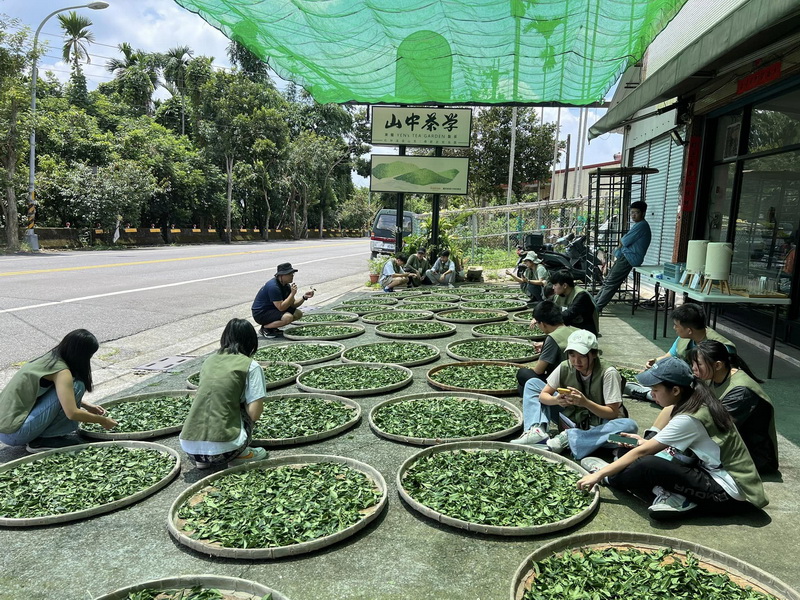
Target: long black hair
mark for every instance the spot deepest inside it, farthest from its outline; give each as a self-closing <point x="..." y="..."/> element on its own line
<point x="77" y="349"/>
<point x="711" y="351"/>
<point x="695" y="396"/>
<point x="238" y="337"/>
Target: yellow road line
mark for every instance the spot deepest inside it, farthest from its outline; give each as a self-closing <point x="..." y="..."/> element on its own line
<point x="166" y="260"/>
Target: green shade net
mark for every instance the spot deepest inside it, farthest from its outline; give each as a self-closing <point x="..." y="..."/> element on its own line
<point x="446" y="51"/>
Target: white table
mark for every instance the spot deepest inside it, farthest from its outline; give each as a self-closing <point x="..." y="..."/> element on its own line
<point x="650" y="272"/>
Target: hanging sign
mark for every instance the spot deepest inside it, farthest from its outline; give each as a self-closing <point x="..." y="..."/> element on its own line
<point x="419" y="174"/>
<point x="421" y="126"/>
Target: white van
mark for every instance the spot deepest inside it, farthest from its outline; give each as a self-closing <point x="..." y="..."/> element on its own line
<point x="382" y="239"/>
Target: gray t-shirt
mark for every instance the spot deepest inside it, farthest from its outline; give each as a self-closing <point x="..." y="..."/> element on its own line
<point x="551" y="354"/>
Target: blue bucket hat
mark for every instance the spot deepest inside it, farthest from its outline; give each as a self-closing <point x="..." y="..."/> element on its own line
<point x="667" y="370"/>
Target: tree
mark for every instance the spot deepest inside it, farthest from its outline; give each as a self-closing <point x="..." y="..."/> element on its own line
<point x="248" y="63"/>
<point x="77" y="38"/>
<point x="136" y="76"/>
<point x="176" y="61"/>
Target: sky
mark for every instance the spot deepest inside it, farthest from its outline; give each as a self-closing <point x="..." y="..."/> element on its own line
<point x="156" y="25"/>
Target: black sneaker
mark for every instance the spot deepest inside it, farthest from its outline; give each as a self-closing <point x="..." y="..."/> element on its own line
<point x="51" y="443"/>
<point x="271" y="334"/>
<point x="639" y="395"/>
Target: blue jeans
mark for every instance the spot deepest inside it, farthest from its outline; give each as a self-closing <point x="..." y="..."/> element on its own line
<point x="582" y="442"/>
<point x="46" y="419"/>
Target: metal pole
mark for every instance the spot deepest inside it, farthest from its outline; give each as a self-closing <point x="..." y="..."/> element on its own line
<point x="435" y="211"/>
<point x="30" y="235"/>
<point x="399" y="209"/>
<point x="511" y="174"/>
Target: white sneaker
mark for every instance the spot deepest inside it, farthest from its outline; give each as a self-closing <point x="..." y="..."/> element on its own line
<point x="593" y="464"/>
<point x="249" y="455"/>
<point x="670" y="505"/>
<point x="534" y="435"/>
<point x="450" y="285"/>
<point x="559" y="443"/>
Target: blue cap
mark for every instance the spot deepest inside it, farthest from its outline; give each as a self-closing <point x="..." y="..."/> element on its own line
<point x="670" y="370"/>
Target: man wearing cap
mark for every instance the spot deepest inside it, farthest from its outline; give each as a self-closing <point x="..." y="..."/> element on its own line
<point x="533" y="279"/>
<point x="629" y="254"/>
<point x="584" y="394"/>
<point x="443" y="271"/>
<point x="276" y="303"/>
<point x="418" y="264"/>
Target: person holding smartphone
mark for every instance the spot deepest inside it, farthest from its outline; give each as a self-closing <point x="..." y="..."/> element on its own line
<point x="276" y="303"/>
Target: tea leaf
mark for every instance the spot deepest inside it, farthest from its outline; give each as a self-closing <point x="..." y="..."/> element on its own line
<point x="297" y="352"/>
<point x="508" y="330"/>
<point x="327" y="317"/>
<point x="352" y="377"/>
<point x="323" y="330"/>
<point x="489" y="349"/>
<point x="477" y="377"/>
<point x="146" y="415"/>
<point x="288" y="417"/>
<point x="390" y="352"/>
<point x="413" y="328"/>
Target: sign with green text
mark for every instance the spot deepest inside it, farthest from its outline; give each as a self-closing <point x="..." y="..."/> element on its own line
<point x="421" y="126"/>
<point x="419" y="174"/>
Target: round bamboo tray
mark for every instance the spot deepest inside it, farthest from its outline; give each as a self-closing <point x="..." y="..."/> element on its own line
<point x="434" y="297"/>
<point x="509" y="305"/>
<point x="497" y="315"/>
<point x="313" y="437"/>
<point x="135" y="435"/>
<point x="452" y="350"/>
<point x="336" y="351"/>
<point x="362" y="309"/>
<point x="97" y="510"/>
<point x="330" y="317"/>
<point x="370" y="514"/>
<point x="271" y="385"/>
<point x="360" y="392"/>
<point x="244" y="589"/>
<point x="495" y="529"/>
<point x="354" y="330"/>
<point x="378" y="298"/>
<point x="491" y="392"/>
<point x="479" y="331"/>
<point x="433" y="354"/>
<point x="525" y="315"/>
<point x="373" y="317"/>
<point x="742" y="573"/>
<point x="425" y="305"/>
<point x="450" y="330"/>
<point x="495" y="435"/>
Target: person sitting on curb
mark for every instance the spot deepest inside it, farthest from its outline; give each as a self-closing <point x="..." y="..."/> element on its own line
<point x="689" y="322"/>
<point x="418" y="265"/>
<point x="443" y="271"/>
<point x="228" y="401"/>
<point x="43" y="402"/>
<point x="585" y="394"/>
<point x="276" y="303"/>
<point x="533" y="279"/>
<point x="393" y="274"/>
<point x="723" y="479"/>
<point x="740" y="393"/>
<point x="575" y="302"/>
<point x="631" y="251"/>
<point x="547" y="317"/>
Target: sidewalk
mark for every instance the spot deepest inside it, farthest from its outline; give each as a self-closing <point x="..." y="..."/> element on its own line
<point x="403" y="555"/>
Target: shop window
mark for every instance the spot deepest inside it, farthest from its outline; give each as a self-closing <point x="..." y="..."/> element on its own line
<point x="775" y="123"/>
<point x="729" y="130"/>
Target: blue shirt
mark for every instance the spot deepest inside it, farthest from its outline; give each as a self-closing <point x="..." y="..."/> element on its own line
<point x="269" y="294"/>
<point x="635" y="243"/>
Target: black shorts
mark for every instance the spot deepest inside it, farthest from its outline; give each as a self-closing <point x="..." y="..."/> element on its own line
<point x="270" y="316"/>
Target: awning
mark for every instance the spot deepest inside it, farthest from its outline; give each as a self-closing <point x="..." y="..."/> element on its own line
<point x="695" y="65"/>
<point x="543" y="52"/>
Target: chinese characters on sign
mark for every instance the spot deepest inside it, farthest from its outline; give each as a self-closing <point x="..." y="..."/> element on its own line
<point x="421" y="126"/>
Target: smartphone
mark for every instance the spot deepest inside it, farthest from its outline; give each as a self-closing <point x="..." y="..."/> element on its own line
<point x="563" y="391"/>
<point x="615" y="438"/>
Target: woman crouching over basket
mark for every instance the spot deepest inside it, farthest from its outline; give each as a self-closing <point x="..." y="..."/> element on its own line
<point x="697" y="460"/>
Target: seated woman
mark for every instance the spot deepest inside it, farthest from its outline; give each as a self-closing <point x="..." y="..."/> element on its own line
<point x="584" y="394"/>
<point x="533" y="278"/>
<point x="43" y="402"/>
<point x="229" y="400"/>
<point x="745" y="400"/>
<point x="722" y="479"/>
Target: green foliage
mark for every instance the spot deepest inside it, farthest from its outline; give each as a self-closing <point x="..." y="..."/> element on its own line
<point x="414" y="328"/>
<point x="628" y="374"/>
<point x="508" y="330"/>
<point x="503" y="488"/>
<point x="471" y="315"/>
<point x="195" y="593"/>
<point x="146" y="415"/>
<point x="390" y="352"/>
<point x="499" y="304"/>
<point x="422" y="305"/>
<point x="274" y="507"/>
<point x="323" y="318"/>
<point x="477" y="377"/>
<point x="287" y="417"/>
<point x="376" y="264"/>
<point x="398" y="315"/>
<point x="324" y="330"/>
<point x="489" y="349"/>
<point x="352" y="377"/>
<point x="297" y="352"/>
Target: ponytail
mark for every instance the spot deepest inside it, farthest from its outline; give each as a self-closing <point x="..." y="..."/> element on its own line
<point x="694" y="397"/>
<point x="711" y="351"/>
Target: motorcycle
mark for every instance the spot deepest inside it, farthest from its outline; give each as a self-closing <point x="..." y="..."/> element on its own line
<point x="582" y="264"/>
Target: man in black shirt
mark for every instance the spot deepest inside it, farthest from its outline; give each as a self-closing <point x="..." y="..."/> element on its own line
<point x="577" y="305"/>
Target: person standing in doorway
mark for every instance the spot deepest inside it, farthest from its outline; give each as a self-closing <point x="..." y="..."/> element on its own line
<point x="629" y="254"/>
<point x="276" y="303"/>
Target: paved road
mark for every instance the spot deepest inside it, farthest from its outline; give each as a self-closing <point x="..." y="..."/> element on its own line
<point x="120" y="293"/>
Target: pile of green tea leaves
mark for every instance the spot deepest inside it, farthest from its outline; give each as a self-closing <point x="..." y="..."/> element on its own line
<point x="500" y="304"/>
<point x="524" y="315"/>
<point x="146" y="415"/>
<point x="443" y="418"/>
<point x="269" y="508"/>
<point x="360" y="309"/>
<point x="390" y="352"/>
<point x="408" y="328"/>
<point x="323" y="330"/>
<point x="494" y="295"/>
<point x="489" y="349"/>
<point x="67" y="482"/>
<point x="471" y="315"/>
<point x="397" y="315"/>
<point x="627" y="573"/>
<point x="628" y="374"/>
<point x="194" y="379"/>
<point x="279" y="372"/>
<point x="352" y="377"/>
<point x="508" y="329"/>
<point x="505" y="488"/>
<point x="441" y="298"/>
<point x="377" y="300"/>
<point x="298" y="352"/>
<point x="422" y="305"/>
<point x="195" y="593"/>
<point x="324" y="318"/>
<point x="477" y="377"/>
<point x="287" y="417"/>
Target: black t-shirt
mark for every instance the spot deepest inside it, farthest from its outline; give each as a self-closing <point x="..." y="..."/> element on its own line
<point x="581" y="313"/>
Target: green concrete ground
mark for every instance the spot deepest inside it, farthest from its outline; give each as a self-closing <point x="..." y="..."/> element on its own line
<point x="403" y="555"/>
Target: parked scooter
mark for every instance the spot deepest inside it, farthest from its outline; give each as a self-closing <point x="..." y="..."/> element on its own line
<point x="582" y="264"/>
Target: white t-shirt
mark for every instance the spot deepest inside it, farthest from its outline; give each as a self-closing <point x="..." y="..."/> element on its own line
<point x="254" y="389"/>
<point x="685" y="432"/>
<point x="388" y="271"/>
<point x="612" y="384"/>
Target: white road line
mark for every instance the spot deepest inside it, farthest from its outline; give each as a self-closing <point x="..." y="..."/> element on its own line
<point x="167" y="285"/>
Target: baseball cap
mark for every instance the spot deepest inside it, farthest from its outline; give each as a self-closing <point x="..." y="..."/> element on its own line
<point x="285" y="269"/>
<point x="670" y="370"/>
<point x="582" y="341"/>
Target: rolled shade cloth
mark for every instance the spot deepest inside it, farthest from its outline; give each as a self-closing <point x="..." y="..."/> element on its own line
<point x="543" y="52"/>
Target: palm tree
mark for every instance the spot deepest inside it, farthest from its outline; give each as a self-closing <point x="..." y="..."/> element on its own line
<point x="175" y="62"/>
<point x="137" y="75"/>
<point x="77" y="38"/>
